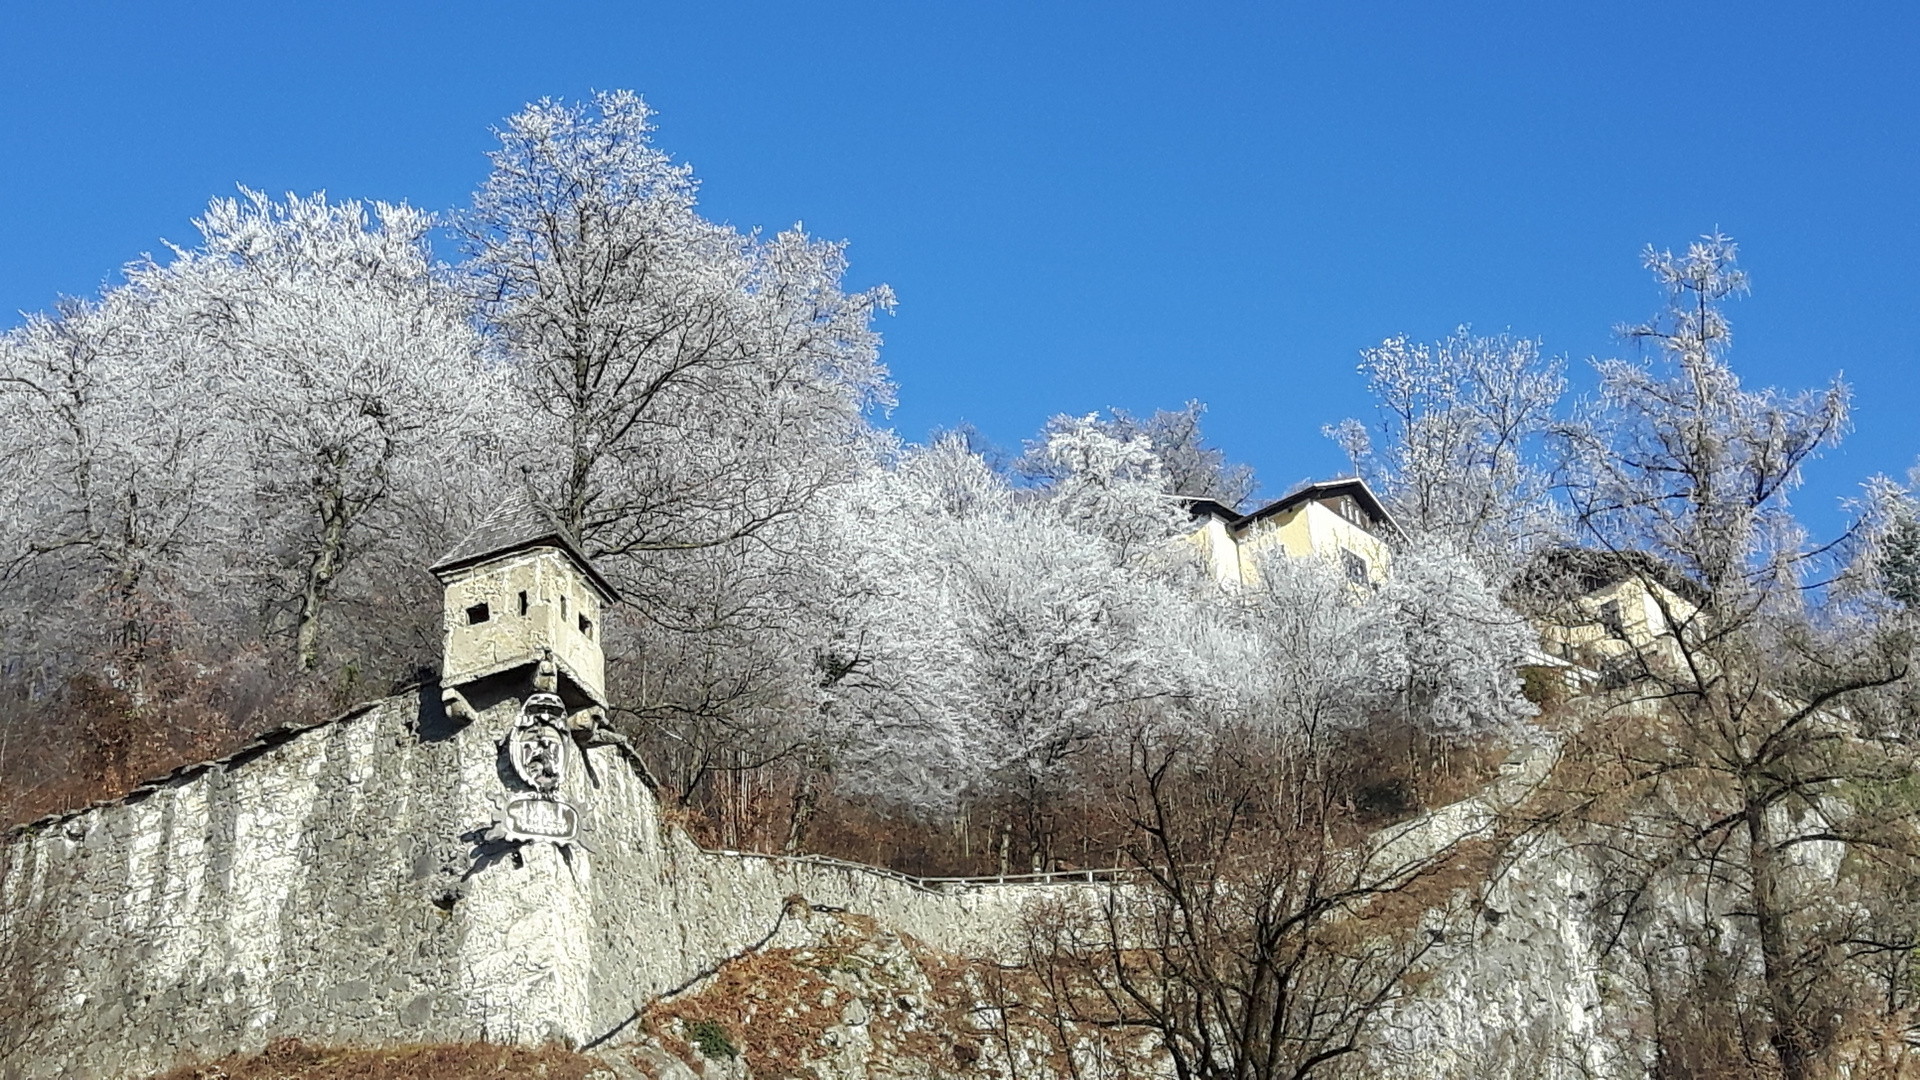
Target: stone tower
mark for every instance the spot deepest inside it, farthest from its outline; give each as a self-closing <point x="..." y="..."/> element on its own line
<point x="521" y="593"/>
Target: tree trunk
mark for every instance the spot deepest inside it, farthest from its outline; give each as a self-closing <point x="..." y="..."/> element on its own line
<point x="322" y="568"/>
<point x="806" y="799"/>
<point x="1787" y="1034"/>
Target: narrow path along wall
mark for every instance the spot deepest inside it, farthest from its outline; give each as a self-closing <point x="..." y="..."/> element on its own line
<point x="337" y="884"/>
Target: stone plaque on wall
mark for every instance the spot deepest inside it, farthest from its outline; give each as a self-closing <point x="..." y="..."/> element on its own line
<point x="541" y="817"/>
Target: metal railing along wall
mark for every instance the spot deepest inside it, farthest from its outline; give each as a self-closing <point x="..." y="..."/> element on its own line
<point x="942" y="884"/>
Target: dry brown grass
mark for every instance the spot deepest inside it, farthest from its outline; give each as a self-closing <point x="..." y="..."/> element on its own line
<point x="291" y="1059"/>
<point x="768" y="1006"/>
<point x="777" y="1010"/>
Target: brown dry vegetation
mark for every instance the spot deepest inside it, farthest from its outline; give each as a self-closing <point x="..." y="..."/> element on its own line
<point x="291" y="1059"/>
<point x="775" y="1008"/>
<point x="89" y="739"/>
<point x="767" y="1007"/>
<point x="1386" y="772"/>
<point x="785" y="1014"/>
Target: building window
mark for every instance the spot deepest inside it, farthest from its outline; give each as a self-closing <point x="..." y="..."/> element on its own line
<point x="586" y="627"/>
<point x="1610" y="619"/>
<point x="477" y="614"/>
<point x="523" y="603"/>
<point x="1356" y="567"/>
<point x="1617" y="672"/>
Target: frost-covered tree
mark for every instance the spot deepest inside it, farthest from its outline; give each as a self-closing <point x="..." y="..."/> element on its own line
<point x="1753" y="776"/>
<point x="688" y="396"/>
<point x="1895" y="546"/>
<point x="1190" y="466"/>
<point x="1462" y="424"/>
<point x="119" y="547"/>
<point x="1681" y="461"/>
<point x="1433" y="647"/>
<point x="347" y="369"/>
<point x="1459" y="647"/>
<point x="991" y="636"/>
<point x="996" y="635"/>
<point x="895" y="670"/>
<point x="1108" y="486"/>
<point x="119" y="510"/>
<point x="688" y="385"/>
<point x="1312" y="660"/>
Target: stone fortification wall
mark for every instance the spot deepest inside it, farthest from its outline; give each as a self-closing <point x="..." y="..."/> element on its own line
<point x="337" y="884"/>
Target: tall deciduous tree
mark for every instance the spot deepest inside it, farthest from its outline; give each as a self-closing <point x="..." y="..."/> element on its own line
<point x="1260" y="935"/>
<point x="347" y="368"/>
<point x="1748" y="776"/>
<point x="1462" y="423"/>
<point x="689" y="393"/>
<point x="692" y="386"/>
<point x="990" y="637"/>
<point x="119" y="511"/>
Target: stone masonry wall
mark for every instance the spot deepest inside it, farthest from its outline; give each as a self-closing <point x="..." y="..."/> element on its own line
<point x="335" y="884"/>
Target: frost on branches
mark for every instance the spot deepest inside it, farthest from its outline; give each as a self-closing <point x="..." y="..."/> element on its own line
<point x="251" y="445"/>
<point x="347" y="371"/>
<point x="230" y="430"/>
<point x="990" y="635"/>
<point x="1462" y="424"/>
<point x="686" y="385"/>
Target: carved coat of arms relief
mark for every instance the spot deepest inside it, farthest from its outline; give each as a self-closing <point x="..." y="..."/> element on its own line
<point x="539" y="751"/>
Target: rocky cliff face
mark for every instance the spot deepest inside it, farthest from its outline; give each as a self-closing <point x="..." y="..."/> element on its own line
<point x="1514" y="990"/>
<point x="843" y="998"/>
<point x="839" y="998"/>
<point x="1512" y="993"/>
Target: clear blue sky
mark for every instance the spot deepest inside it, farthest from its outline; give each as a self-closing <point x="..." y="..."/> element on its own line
<point x="1086" y="204"/>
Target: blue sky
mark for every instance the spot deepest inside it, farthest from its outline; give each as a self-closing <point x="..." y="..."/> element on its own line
<point x="1084" y="205"/>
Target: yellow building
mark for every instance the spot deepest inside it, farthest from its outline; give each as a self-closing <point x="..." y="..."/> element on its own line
<point x="1341" y="521"/>
<point x="1608" y="611"/>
